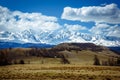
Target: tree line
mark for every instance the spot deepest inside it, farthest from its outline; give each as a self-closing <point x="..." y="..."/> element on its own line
<point x="110" y="62"/>
<point x="9" y="56"/>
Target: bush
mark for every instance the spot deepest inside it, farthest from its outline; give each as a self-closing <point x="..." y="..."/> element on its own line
<point x="65" y="60"/>
<point x="96" y="60"/>
<point x="21" y="62"/>
<point x="111" y="62"/>
<point x="118" y="61"/>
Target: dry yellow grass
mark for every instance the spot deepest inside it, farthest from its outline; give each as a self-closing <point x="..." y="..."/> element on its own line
<point x="86" y="57"/>
<point x="59" y="72"/>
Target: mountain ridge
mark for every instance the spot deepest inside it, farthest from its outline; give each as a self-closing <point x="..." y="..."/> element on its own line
<point x="4" y="45"/>
<point x="61" y="36"/>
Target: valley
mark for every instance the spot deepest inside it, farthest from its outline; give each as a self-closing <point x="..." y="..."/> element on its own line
<point x="66" y="61"/>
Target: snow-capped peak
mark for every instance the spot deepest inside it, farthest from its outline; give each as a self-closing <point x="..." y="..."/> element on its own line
<point x="56" y="37"/>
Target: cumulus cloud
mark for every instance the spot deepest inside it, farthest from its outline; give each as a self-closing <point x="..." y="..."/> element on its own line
<point x="107" y="30"/>
<point x="15" y="21"/>
<point x="99" y="14"/>
<point x="75" y="27"/>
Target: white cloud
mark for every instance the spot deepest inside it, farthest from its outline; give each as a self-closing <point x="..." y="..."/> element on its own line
<point x="106" y="30"/>
<point x="15" y="21"/>
<point x="75" y="27"/>
<point x="107" y="13"/>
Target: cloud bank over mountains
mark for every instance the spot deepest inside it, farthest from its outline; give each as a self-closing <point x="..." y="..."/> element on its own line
<point x="102" y="16"/>
<point x="105" y="29"/>
<point x="18" y="21"/>
<point x="106" y="22"/>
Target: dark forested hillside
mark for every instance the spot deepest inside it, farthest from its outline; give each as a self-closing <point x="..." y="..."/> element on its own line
<point x="4" y="45"/>
<point x="80" y="46"/>
<point x="115" y="49"/>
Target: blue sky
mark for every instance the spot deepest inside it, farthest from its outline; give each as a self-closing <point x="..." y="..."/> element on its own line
<point x="55" y="9"/>
<point x="51" y="7"/>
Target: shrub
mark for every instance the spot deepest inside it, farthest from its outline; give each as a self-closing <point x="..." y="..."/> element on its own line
<point x="65" y="60"/>
<point x="21" y="62"/>
<point x="118" y="61"/>
<point x="96" y="60"/>
<point x="105" y="63"/>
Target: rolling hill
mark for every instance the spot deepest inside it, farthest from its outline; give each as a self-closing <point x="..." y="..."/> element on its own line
<point x="75" y="53"/>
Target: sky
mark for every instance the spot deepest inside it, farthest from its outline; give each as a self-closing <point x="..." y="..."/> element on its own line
<point x="87" y="16"/>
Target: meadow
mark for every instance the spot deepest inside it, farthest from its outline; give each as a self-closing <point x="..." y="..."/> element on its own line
<point x="59" y="72"/>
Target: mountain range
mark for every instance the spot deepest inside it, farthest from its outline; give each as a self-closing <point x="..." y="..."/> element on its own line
<point x="57" y="37"/>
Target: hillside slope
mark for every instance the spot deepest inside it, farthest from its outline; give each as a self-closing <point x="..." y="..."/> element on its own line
<point x="76" y="53"/>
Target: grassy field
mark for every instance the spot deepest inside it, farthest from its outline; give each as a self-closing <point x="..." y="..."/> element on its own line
<point x="59" y="72"/>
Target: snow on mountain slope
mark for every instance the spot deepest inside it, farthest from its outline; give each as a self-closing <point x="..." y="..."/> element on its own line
<point x="56" y="37"/>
